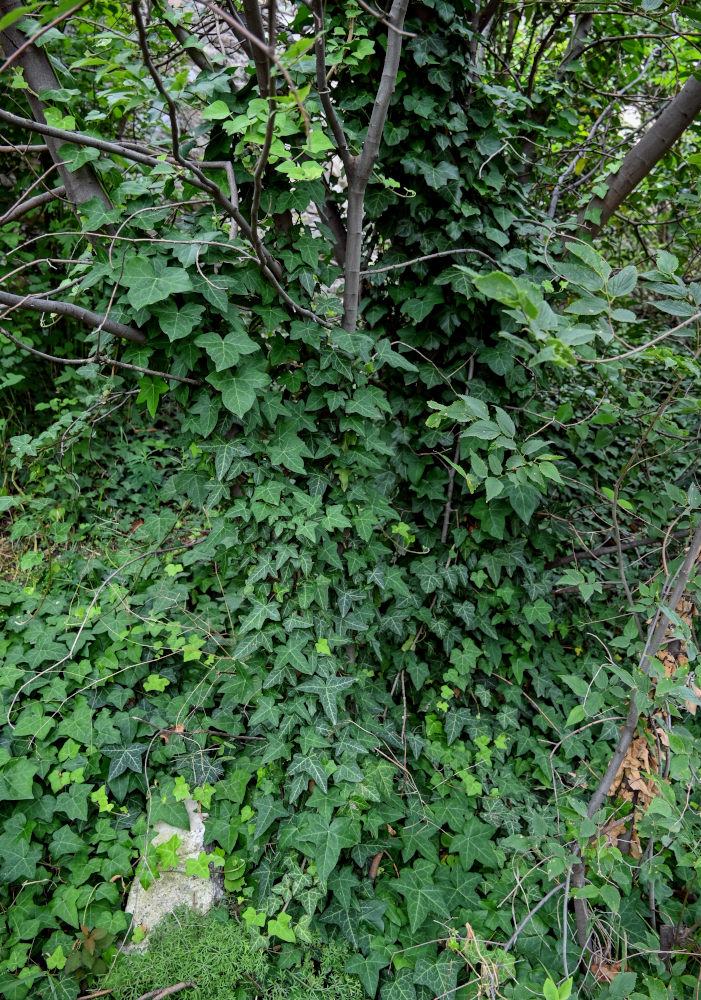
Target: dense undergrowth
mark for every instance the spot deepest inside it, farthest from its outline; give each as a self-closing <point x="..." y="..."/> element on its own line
<point x="377" y="598"/>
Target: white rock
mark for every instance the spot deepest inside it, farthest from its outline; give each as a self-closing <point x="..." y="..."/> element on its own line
<point x="174" y="887"/>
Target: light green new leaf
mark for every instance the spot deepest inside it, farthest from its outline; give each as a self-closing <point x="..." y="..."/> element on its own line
<point x="151" y="388"/>
<point x="280" y="927"/>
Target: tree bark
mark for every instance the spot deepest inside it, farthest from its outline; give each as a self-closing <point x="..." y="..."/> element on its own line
<point x="81" y="185"/>
<point x="643" y="157"/>
<point x="361" y="166"/>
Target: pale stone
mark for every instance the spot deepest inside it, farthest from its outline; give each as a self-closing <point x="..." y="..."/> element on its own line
<point x="174" y="888"/>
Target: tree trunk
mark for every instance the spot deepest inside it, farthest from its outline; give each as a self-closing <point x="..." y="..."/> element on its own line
<point x="642" y="158"/>
<point x="81" y="185"/>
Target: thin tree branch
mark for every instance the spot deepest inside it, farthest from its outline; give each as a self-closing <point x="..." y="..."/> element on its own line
<point x="156" y="77"/>
<point x="85" y="316"/>
<point x="362" y="165"/>
<point x="24" y="207"/>
<point x="644" y="156"/>
<point x="603" y="550"/>
<point x="261" y="59"/>
<point x="188" y="45"/>
<point x="99" y="359"/>
<point x="322" y="86"/>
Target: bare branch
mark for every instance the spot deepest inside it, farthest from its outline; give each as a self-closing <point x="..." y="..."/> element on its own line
<point x="322" y="87"/>
<point x="156" y="77"/>
<point x="643" y="157"/>
<point x="23" y="207"/>
<point x="97" y="359"/>
<point x="81" y="185"/>
<point x="362" y="165"/>
<point x="261" y="59"/>
<point x="84" y="316"/>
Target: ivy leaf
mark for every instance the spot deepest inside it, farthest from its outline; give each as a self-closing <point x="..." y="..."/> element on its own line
<point x="268" y="810"/>
<point x="151" y="388"/>
<point x="262" y="612"/>
<point x="145" y="286"/>
<point x="16" y="778"/>
<point x="421" y="893"/>
<point x="368" y="968"/>
<point x="327" y="840"/>
<point x="66" y="841"/>
<point x="199" y="866"/>
<point x="440" y="976"/>
<point x="226" y="351"/>
<point x="287" y="448"/>
<point x="124" y="758"/>
<point x="168" y="851"/>
<point x="239" y="390"/>
<point x="19" y="857"/>
<point x="178" y="321"/>
<point x="65" y="988"/>
<point x="401" y="987"/>
<point x="328" y="691"/>
<point x="310" y="766"/>
<point x="473" y="843"/>
<point x="280" y="927"/>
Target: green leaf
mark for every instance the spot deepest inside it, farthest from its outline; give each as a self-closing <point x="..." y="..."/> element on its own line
<point x="473" y="843"/>
<point x="124" y="758"/>
<point x="499" y="286"/>
<point x="422" y="895"/>
<point x="268" y="809"/>
<point x="623" y="282"/>
<point x="287" y="448"/>
<point x="304" y="764"/>
<point x="550" y="990"/>
<point x="199" y="866"/>
<point x="226" y="351"/>
<point x="66" y="841"/>
<point x="239" y="390"/>
<point x="16" y="779"/>
<point x="178" y="321"/>
<point x="667" y="263"/>
<point x="401" y="987"/>
<point x="524" y="499"/>
<point x="168" y="852"/>
<point x="145" y="286"/>
<point x="280" y="927"/>
<point x="151" y="388"/>
<point x="368" y="968"/>
<point x="19" y="856"/>
<point x="485" y="430"/>
<point x="216" y="112"/>
<point x="262" y="611"/>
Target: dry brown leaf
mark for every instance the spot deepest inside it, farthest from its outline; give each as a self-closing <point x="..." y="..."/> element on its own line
<point x="606" y="972"/>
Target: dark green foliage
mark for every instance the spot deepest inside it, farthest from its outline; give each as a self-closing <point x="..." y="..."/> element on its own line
<point x="340" y="590"/>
